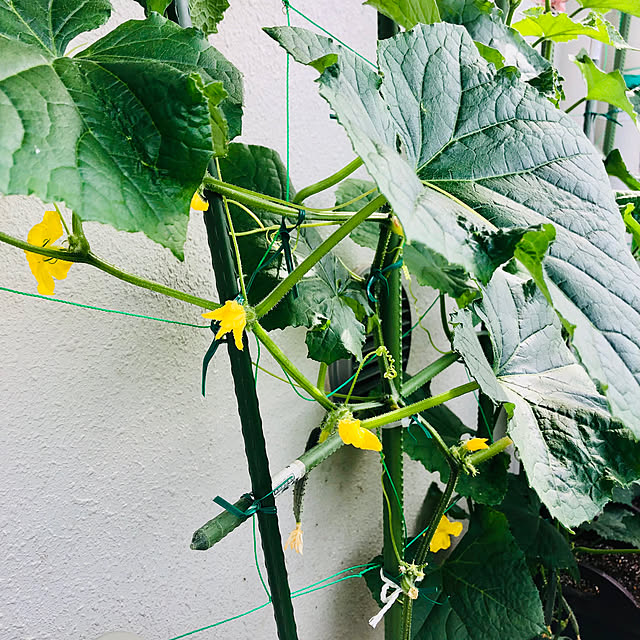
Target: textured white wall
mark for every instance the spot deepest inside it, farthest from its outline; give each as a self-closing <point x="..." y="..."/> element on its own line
<point x="110" y="457"/>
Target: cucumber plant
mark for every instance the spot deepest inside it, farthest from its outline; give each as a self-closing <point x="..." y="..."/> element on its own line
<point x="479" y="186"/>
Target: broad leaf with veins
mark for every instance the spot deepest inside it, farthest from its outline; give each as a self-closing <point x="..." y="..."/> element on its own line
<point x="123" y="131"/>
<point x="573" y="451"/>
<point x="487" y="143"/>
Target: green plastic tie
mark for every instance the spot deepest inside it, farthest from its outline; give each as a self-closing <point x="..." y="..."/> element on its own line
<point x="378" y="275"/>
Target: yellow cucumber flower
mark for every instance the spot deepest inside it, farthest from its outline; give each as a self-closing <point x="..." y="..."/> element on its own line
<point x="232" y="318"/>
<point x="442" y="537"/>
<point x="198" y="203"/>
<point x="475" y="444"/>
<point x="44" y="269"/>
<point x="352" y="433"/>
<point x="294" y="541"/>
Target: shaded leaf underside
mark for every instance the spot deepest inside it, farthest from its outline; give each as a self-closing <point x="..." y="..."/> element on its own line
<point x="573" y="451"/>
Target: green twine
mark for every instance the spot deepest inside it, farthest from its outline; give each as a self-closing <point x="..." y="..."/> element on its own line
<point x="315" y="24"/>
<point x="316" y="586"/>
<point x="286" y="6"/>
<point x="88" y="306"/>
<point x="420" y="319"/>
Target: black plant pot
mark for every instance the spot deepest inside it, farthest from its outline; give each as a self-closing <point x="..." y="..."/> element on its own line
<point x="607" y="611"/>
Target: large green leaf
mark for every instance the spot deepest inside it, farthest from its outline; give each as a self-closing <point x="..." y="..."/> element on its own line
<point x="439" y="113"/>
<point x="485" y="24"/>
<point x="487" y="590"/>
<point x="207" y="14"/>
<point x="327" y="296"/>
<point x="632" y="7"/>
<point x="540" y="541"/>
<point x="559" y="27"/>
<point x="408" y="13"/>
<point x="48" y="25"/>
<point x="120" y="140"/>
<point x="155" y="41"/>
<point x="573" y="451"/>
<point x="605" y="87"/>
<point x="617" y="523"/>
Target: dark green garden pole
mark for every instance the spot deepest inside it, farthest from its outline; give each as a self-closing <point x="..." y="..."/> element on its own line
<point x="391" y="320"/>
<point x="249" y="412"/>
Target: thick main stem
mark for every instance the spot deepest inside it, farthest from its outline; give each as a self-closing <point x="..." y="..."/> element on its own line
<point x="390" y="313"/>
<point x="251" y="423"/>
<point x="281" y="290"/>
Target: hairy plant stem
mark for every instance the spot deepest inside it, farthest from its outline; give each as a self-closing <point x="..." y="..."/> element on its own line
<point x="280" y="357"/>
<point x="443" y="318"/>
<point x="428" y="373"/>
<point x="86" y="257"/>
<point x="512" y="9"/>
<point x="604" y="552"/>
<point x="455" y="467"/>
<point x="577" y="103"/>
<point x="478" y="457"/>
<point x="281" y="290"/>
<point x="550" y="600"/>
<point x="423" y="549"/>
<point x="572" y="616"/>
<point x="322" y="375"/>
<point x="273" y="205"/>
<point x="328" y="182"/>
<point x="389" y="310"/>
<point x="417" y="407"/>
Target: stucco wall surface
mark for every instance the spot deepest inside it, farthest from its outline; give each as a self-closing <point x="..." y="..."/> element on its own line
<point x="110" y="456"/>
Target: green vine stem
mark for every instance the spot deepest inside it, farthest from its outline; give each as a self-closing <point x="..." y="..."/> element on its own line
<point x="256" y="200"/>
<point x="428" y="373"/>
<point x="478" y="457"/>
<point x="417" y="407"/>
<point x="604" y="552"/>
<point x="423" y="549"/>
<point x="328" y="182"/>
<point x="280" y="357"/>
<point x="322" y="375"/>
<point x="89" y="258"/>
<point x="281" y="290"/>
<point x="455" y="467"/>
<point x="577" y="103"/>
<point x="223" y="524"/>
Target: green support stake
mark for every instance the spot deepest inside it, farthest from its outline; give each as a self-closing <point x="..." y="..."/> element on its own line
<point x="391" y="320"/>
<point x="251" y="421"/>
<point x="618" y="63"/>
<point x="392" y="445"/>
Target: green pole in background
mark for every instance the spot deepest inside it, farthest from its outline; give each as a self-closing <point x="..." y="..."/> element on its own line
<point x="618" y="63"/>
